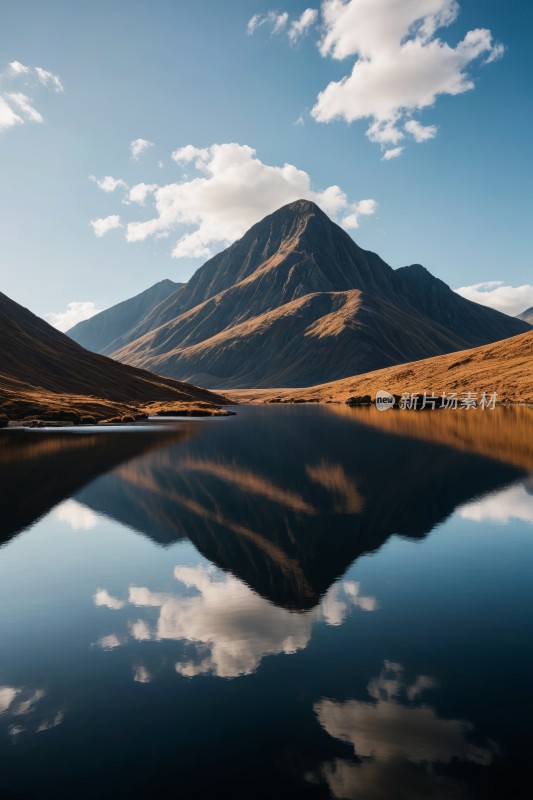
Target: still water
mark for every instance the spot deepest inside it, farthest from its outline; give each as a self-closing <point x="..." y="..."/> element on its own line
<point x="295" y="602"/>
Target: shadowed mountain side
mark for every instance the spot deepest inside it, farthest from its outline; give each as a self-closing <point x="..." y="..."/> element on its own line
<point x="527" y="315"/>
<point x="36" y="359"/>
<point x="504" y="367"/>
<point x="28" y="459"/>
<point x="296" y="253"/>
<point x="289" y="509"/>
<point x="103" y="333"/>
<point x="319" y="335"/>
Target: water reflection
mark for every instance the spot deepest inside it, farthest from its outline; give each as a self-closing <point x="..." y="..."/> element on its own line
<point x="227" y="628"/>
<point x="21" y="711"/>
<point x="287" y="508"/>
<point x="512" y="503"/>
<point x="39" y="470"/>
<point x="395" y="736"/>
<point x="195" y="616"/>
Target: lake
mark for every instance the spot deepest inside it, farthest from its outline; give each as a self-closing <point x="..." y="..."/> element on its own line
<point x="295" y="602"/>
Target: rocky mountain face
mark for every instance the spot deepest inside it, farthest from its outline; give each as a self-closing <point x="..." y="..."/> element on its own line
<point x="105" y="332"/>
<point x="296" y="302"/>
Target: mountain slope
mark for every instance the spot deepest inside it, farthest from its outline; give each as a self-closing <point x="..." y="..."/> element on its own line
<point x="103" y="333"/>
<point x="505" y="367"/>
<point x="527" y="315"/>
<point x="35" y="357"/>
<point x="296" y="254"/>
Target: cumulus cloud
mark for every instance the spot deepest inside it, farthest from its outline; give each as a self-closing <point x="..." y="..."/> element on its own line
<point x="75" y="312"/>
<point x="420" y="133"/>
<point x="510" y="300"/>
<point x="388" y="733"/>
<point x="138" y="146"/>
<point x="17" y="107"/>
<point x="513" y="503"/>
<point x="109" y="642"/>
<point x="103" y="598"/>
<point x="109" y="184"/>
<point x="105" y="224"/>
<point x="231" y="190"/>
<point x="301" y="26"/>
<point x="274" y="19"/>
<point x="227" y="627"/>
<point x="400" y="66"/>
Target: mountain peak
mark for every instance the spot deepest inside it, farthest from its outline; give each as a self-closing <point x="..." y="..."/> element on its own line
<point x="302" y="206"/>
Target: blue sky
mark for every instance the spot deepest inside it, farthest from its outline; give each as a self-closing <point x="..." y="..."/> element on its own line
<point x="176" y="74"/>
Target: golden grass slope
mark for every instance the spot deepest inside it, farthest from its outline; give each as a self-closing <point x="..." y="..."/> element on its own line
<point x="505" y="367"/>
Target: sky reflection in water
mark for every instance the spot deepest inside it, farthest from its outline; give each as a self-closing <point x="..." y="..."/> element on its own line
<point x="258" y="606"/>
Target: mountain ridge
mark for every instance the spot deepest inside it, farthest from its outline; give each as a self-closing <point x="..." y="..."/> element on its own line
<point x="297" y="252"/>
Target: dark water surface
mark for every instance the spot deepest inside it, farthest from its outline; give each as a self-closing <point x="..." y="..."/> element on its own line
<point x="296" y="602"/>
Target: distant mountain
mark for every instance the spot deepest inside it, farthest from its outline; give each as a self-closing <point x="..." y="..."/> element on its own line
<point x="527" y="315"/>
<point x="104" y="332"/>
<point x="36" y="359"/>
<point x="296" y="302"/>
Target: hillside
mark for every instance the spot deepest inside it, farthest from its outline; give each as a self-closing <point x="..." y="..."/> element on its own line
<point x="103" y="333"/>
<point x="505" y="367"/>
<point x="42" y="368"/>
<point x="295" y="302"/>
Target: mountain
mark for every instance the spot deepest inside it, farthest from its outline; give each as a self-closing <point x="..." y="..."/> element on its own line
<point x="37" y="361"/>
<point x="504" y="367"/>
<point x="527" y="315"/>
<point x="273" y="530"/>
<point x="104" y="332"/>
<point x="295" y="302"/>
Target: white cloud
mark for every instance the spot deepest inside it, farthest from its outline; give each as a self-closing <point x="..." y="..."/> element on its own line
<point x="515" y="502"/>
<point x="299" y="122"/>
<point x="103" y="598"/>
<point x="17" y="107"/>
<point x="139" y="192"/>
<point x="229" y="628"/>
<point x="48" y="78"/>
<point x="23" y="103"/>
<point x="301" y="26"/>
<point x="75" y="312"/>
<point x="8" y="117"/>
<point x="7" y="695"/>
<point x="108" y="184"/>
<point x="23" y="705"/>
<point x="276" y="20"/>
<point x="140" y="630"/>
<point x="102" y="226"/>
<point x="16" y="68"/>
<point x="138" y="146"/>
<point x="394" y="152"/>
<point x="400" y="64"/>
<point x="109" y="642"/>
<point x="141" y="674"/>
<point x="387" y="733"/>
<point x="232" y="190"/>
<point x="420" y="133"/>
<point x="511" y="300"/>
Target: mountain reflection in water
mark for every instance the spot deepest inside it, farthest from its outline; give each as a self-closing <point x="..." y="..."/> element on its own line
<point x="253" y="606"/>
